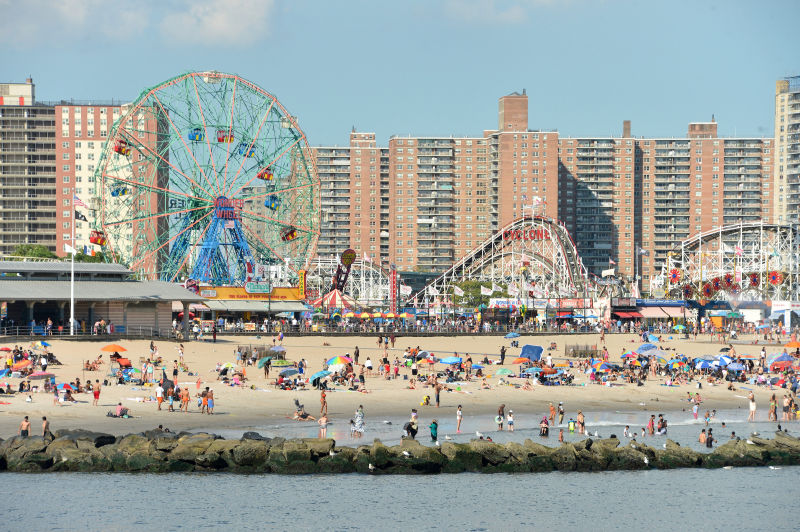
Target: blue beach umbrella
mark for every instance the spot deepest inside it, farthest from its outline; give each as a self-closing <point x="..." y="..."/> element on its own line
<point x="288" y="372"/>
<point x="532" y="352"/>
<point x="320" y="375"/>
<point x="703" y="364"/>
<point x="735" y="367"/>
<point x="451" y="360"/>
<point x="646" y="347"/>
<point x="652" y="338"/>
<point x="512" y="335"/>
<point x="724" y="360"/>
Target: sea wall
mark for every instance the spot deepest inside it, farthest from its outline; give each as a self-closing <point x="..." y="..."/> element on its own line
<point x="156" y="451"/>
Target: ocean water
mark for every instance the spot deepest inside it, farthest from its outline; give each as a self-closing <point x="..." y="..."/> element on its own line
<point x="682" y="428"/>
<point x="738" y="499"/>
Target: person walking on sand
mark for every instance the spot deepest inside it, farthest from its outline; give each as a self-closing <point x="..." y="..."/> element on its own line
<point x="96" y="392"/>
<point x="438" y="390"/>
<point x="24" y="428"/>
<point x="459" y="417"/>
<point x="510" y="420"/>
<point x="184" y="399"/>
<point x="355" y="356"/>
<point x="323" y="426"/>
<point x="752" y="415"/>
<point x="501" y="414"/>
<point x="210" y="397"/>
<point x="323" y="403"/>
<point x="159" y="395"/>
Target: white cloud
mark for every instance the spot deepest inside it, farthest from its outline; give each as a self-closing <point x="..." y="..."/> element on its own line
<point x="223" y="23"/>
<point x="27" y="24"/>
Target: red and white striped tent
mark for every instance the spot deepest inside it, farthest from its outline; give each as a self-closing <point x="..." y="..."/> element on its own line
<point x="334" y="299"/>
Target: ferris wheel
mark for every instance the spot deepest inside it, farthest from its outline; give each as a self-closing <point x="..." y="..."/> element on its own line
<point x="207" y="177"/>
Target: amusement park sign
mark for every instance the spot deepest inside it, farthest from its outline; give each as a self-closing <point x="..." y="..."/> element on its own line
<point x="526" y="234"/>
<point x="257" y="288"/>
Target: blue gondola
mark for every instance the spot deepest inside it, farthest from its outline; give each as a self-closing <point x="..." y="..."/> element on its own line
<point x="273" y="202"/>
<point x="246" y="150"/>
<point x="197" y="135"/>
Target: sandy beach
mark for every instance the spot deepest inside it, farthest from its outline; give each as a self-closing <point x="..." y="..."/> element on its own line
<point x="259" y="402"/>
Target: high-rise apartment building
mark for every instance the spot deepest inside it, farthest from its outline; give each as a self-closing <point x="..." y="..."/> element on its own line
<point x="625" y="200"/>
<point x="27" y="169"/>
<point x="80" y="138"/>
<point x="786" y="174"/>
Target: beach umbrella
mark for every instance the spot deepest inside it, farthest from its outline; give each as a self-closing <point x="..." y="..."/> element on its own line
<point x="277" y="349"/>
<point x="131" y="370"/>
<point x="319" y="375"/>
<point x="763" y="327"/>
<point x="41" y="343"/>
<point x="703" y="364"/>
<point x="652" y="338"/>
<point x="404" y="315"/>
<point x="339" y="360"/>
<point x="793" y="344"/>
<point x="562" y="365"/>
<point x="630" y="354"/>
<point x="21" y="364"/>
<point x="549" y="371"/>
<point x="377" y="315"/>
<point x="635" y="363"/>
<point x="427" y="361"/>
<point x="747" y="357"/>
<point x="724" y="360"/>
<point x="512" y="335"/>
<point x="263" y="361"/>
<point x="282" y="363"/>
<point x="735" y="367"/>
<point x="390" y="315"/>
<point x="532" y="352"/>
<point x="41" y="375"/>
<point x="782" y="364"/>
<point x="679" y="327"/>
<point x="110" y="348"/>
<point x="4" y="372"/>
<point x="724" y="349"/>
<point x="7" y="349"/>
<point x="520" y="360"/>
<point x="228" y="365"/>
<point x="65" y="386"/>
<point x="477" y="366"/>
<point x="350" y="314"/>
<point x="451" y="360"/>
<point x="364" y="315"/>
<point x="531" y="371"/>
<point x="288" y="372"/>
<point x="503" y="371"/>
<point x="646" y="347"/>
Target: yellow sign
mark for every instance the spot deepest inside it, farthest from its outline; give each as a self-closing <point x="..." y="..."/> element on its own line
<point x="301" y="283"/>
<point x="287" y="293"/>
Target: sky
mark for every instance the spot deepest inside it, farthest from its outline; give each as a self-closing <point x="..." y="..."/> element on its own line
<point x="427" y="67"/>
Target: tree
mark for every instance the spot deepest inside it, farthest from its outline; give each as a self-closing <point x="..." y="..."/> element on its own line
<point x="34" y="250"/>
<point x="472" y="294"/>
<point x="97" y="257"/>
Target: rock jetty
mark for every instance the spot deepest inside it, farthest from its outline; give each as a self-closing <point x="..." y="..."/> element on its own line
<point x="155" y="451"/>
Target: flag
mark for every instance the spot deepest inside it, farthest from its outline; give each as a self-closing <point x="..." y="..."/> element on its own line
<point x="644" y="252"/>
<point x="78" y="203"/>
<point x="513" y="290"/>
<point x="458" y="292"/>
<point x="69" y="249"/>
<point x="81" y="217"/>
<point x="85" y="249"/>
<point x="405" y="290"/>
<point x="486" y="291"/>
<point x="611" y="261"/>
<point x="366" y="258"/>
<point x="496" y="288"/>
<point x="433" y="291"/>
<point x="739" y="251"/>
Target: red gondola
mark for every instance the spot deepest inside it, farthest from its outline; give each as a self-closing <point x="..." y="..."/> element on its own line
<point x="265" y="174"/>
<point x="289" y="235"/>
<point x="224" y="135"/>
<point x="98" y="237"/>
<point x="121" y="147"/>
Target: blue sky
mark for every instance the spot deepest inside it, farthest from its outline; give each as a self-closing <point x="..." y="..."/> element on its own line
<point x="427" y="67"/>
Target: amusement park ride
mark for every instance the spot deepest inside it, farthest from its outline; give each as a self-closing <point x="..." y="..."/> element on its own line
<point x="207" y="177"/>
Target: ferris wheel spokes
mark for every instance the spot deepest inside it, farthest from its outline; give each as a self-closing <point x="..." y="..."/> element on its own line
<point x="273" y="161"/>
<point x="248" y="150"/>
<point x="205" y="131"/>
<point x="179" y="135"/>
<point x="149" y="254"/>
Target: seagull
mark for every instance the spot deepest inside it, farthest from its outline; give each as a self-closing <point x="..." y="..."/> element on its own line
<point x="447" y="437"/>
<point x="727" y="467"/>
<point x="406" y="454"/>
<point x="385" y="422"/>
<point x="478" y="434"/>
<point x="773" y="467"/>
<point x="331" y="453"/>
<point x="750" y="442"/>
<point x="438" y="444"/>
<point x="596" y="434"/>
<point x="646" y="461"/>
<point x="665" y="446"/>
<point x="371" y="468"/>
